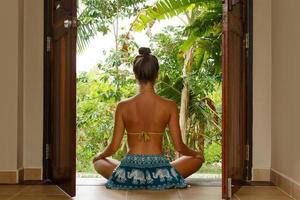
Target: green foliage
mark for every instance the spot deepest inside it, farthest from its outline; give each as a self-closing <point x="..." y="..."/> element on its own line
<point x="215" y="168"/>
<point x="97" y="16"/>
<point x="213" y="153"/>
<point x="204" y="83"/>
<point x="97" y="96"/>
<point x="94" y="117"/>
<point x="166" y="47"/>
<point x="163" y="9"/>
<point x="98" y="91"/>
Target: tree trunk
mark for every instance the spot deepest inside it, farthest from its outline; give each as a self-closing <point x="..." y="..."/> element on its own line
<point x="183" y="111"/>
<point x="115" y="27"/>
<point x="185" y="94"/>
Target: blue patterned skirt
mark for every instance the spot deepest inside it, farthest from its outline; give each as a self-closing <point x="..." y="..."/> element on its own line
<point x="144" y="171"/>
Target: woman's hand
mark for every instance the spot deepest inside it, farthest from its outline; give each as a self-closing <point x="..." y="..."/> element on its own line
<point x="98" y="156"/>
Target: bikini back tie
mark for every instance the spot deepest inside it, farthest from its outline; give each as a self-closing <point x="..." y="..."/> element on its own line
<point x="145" y="135"/>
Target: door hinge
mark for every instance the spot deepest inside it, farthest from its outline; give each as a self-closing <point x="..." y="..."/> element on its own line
<point x="247" y="40"/>
<point x="47" y="151"/>
<point x="48" y="47"/>
<point x="229" y="187"/>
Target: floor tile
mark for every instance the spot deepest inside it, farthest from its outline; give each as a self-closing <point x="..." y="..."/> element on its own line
<point x="296" y="191"/>
<point x="170" y="194"/>
<point x="256" y="197"/>
<point x="11" y="189"/>
<point x="42" y="190"/>
<point x="259" y="190"/>
<point x="99" y="193"/>
<point x="4" y="197"/>
<point x="201" y="193"/>
<point x="40" y="197"/>
<point x="235" y="198"/>
<point x="261" y="193"/>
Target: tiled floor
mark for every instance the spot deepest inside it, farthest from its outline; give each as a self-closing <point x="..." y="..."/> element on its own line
<point x="198" y="181"/>
<point x="52" y="192"/>
<point x="260" y="193"/>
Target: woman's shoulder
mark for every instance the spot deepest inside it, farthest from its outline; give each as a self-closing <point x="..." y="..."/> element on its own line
<point x="168" y="103"/>
<point x="126" y="101"/>
<point x="123" y="102"/>
<point x="161" y="99"/>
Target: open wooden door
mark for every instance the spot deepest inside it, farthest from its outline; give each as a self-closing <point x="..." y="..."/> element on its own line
<point x="60" y="94"/>
<point x="234" y="108"/>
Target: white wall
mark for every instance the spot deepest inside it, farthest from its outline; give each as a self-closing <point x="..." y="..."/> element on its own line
<point x="21" y="84"/>
<point x="9" y="66"/>
<point x="33" y="83"/>
<point x="261" y="89"/>
<point x="285" y="88"/>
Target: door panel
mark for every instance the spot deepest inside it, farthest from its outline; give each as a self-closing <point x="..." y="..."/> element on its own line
<point x="234" y="97"/>
<point x="62" y="94"/>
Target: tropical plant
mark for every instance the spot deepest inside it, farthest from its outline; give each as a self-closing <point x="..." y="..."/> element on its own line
<point x="96" y="102"/>
<point x="203" y="119"/>
<point x="102" y="16"/>
<point x="202" y="46"/>
<point x="190" y="74"/>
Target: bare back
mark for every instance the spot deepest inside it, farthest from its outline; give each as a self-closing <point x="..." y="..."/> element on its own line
<point x="146" y="112"/>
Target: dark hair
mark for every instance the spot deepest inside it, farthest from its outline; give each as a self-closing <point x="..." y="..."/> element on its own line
<point x="145" y="65"/>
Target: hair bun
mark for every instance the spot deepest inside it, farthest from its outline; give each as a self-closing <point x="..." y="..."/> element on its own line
<point x="144" y="51"/>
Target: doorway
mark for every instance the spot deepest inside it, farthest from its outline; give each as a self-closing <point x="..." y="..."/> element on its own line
<point x="101" y="84"/>
<point x="60" y="92"/>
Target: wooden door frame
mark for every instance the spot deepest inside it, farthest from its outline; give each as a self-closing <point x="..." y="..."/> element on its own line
<point x="249" y="91"/>
<point x="47" y="172"/>
<point x="47" y="93"/>
<point x="47" y="123"/>
<point x="247" y="115"/>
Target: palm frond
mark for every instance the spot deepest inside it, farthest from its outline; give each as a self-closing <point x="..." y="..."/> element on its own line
<point x="164" y="9"/>
<point x="161" y="10"/>
<point x="168" y="89"/>
<point x="208" y="22"/>
<point x="85" y="33"/>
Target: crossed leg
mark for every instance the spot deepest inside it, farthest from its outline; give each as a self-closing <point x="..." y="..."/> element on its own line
<point x="185" y="165"/>
<point x="105" y="166"/>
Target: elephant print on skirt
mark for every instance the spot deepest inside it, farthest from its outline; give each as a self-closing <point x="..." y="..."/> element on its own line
<point x="137" y="175"/>
<point x="121" y="175"/>
<point x="144" y="171"/>
<point x="162" y="174"/>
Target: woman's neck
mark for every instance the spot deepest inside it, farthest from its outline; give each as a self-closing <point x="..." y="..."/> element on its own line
<point x="146" y="87"/>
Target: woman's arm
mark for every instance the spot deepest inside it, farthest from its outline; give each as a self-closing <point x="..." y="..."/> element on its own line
<point x="118" y="134"/>
<point x="176" y="134"/>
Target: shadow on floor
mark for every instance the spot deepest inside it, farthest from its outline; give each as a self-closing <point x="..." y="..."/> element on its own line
<point x="197" y="181"/>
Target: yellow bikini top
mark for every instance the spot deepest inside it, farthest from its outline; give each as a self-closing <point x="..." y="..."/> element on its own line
<point x="145" y="135"/>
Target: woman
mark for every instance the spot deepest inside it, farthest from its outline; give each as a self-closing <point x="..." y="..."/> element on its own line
<point x="145" y="117"/>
